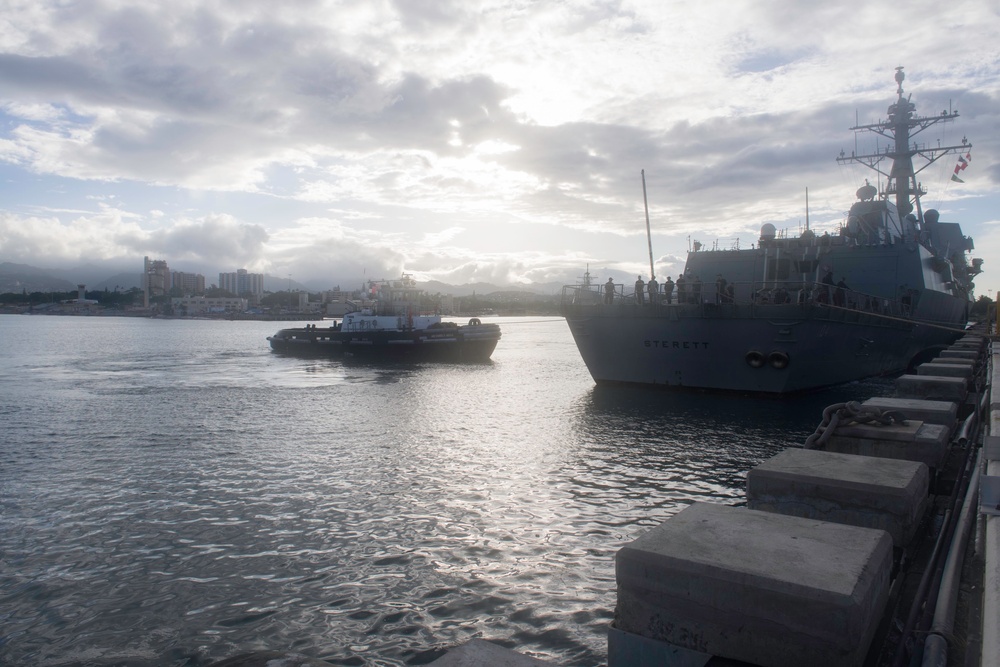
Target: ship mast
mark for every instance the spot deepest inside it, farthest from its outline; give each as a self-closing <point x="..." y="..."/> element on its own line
<point x="649" y="236"/>
<point x="902" y="124"/>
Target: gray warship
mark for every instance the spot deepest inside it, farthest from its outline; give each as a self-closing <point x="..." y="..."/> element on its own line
<point x="794" y="314"/>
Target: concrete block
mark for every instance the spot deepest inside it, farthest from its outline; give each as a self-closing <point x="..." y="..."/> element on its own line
<point x="912" y="441"/>
<point x="945" y="370"/>
<point x="931" y="412"/>
<point x="955" y="361"/>
<point x="971" y="339"/>
<point x="855" y="490"/>
<point x="931" y="387"/>
<point x="970" y="355"/>
<point x="481" y="653"/>
<point x="764" y="588"/>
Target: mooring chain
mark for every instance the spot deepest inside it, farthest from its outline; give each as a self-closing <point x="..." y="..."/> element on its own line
<point x="850" y="412"/>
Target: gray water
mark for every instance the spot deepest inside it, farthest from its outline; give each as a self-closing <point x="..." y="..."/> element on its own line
<point x="173" y="493"/>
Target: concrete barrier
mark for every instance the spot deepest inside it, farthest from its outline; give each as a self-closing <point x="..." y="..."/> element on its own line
<point x="943" y="413"/>
<point x="855" y="490"/>
<point x="912" y="441"/>
<point x="970" y="355"/>
<point x="764" y="588"/>
<point x="945" y="369"/>
<point x="932" y="388"/>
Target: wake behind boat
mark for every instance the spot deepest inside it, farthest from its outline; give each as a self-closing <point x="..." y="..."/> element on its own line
<point x="392" y="328"/>
<point x="794" y="314"/>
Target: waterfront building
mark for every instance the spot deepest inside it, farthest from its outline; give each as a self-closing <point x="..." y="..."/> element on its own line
<point x="243" y="283"/>
<point x="337" y="303"/>
<point x="200" y="305"/>
<point x="155" y="279"/>
<point x="447" y="304"/>
<point x="190" y="284"/>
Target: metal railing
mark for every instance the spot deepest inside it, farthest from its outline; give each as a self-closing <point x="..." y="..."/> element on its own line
<point x="744" y="294"/>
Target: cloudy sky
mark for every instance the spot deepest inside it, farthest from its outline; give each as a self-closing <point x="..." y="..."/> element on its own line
<point x="494" y="140"/>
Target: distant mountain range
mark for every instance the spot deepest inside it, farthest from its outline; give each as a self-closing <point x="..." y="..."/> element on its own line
<point x="21" y="277"/>
<point x="26" y="278"/>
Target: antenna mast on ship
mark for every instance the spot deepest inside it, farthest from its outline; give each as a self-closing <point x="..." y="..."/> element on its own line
<point x="903" y="123"/>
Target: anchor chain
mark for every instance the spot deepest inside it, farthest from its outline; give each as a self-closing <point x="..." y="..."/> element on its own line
<point x="851" y="412"/>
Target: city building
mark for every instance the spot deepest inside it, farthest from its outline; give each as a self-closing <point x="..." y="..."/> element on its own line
<point x="243" y="283"/>
<point x="200" y="305"/>
<point x="190" y="284"/>
<point x="337" y="303"/>
<point x="155" y="279"/>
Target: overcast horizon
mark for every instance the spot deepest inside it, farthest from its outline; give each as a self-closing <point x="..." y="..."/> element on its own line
<point x="495" y="141"/>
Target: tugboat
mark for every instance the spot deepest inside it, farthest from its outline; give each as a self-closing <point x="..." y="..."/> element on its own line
<point x="796" y="314"/>
<point x="392" y="328"/>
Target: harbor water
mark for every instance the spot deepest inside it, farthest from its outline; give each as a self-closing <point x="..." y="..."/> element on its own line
<point x="173" y="493"/>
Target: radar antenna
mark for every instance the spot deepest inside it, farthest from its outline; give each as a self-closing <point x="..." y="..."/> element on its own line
<point x="902" y="124"/>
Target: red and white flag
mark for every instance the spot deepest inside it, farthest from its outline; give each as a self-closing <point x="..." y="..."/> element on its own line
<point x="963" y="162"/>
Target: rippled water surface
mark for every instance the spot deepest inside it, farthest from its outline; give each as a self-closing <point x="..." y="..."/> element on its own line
<point x="172" y="493"/>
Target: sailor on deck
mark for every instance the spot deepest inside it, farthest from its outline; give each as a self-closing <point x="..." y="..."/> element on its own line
<point x="639" y="287"/>
<point x="668" y="289"/>
<point x="840" y="294"/>
<point x="653" y="288"/>
<point x="720" y="288"/>
<point x="825" y="291"/>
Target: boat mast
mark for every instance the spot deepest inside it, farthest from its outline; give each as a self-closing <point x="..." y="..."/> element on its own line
<point x="649" y="237"/>
<point x="902" y="124"/>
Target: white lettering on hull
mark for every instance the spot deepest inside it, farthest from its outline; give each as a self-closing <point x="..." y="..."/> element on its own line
<point x="677" y="344"/>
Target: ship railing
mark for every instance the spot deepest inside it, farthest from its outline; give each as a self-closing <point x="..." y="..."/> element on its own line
<point x="592" y="295"/>
<point x="750" y="295"/>
<point x="842" y="299"/>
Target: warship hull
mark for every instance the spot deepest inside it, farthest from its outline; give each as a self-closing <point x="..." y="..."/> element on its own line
<point x="773" y="349"/>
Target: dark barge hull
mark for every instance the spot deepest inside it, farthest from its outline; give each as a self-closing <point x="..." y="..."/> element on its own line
<point x="458" y="344"/>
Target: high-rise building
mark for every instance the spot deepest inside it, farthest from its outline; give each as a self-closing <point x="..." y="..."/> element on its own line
<point x="190" y="284"/>
<point x="242" y="283"/>
<point x="155" y="279"/>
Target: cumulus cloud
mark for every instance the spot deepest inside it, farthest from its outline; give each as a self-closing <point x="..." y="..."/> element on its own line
<point x="216" y="238"/>
<point x="494" y="141"/>
<point x="112" y="234"/>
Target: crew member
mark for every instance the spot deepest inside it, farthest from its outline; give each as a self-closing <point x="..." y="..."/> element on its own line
<point x="824" y="292"/>
<point x="668" y="289"/>
<point x="653" y="288"/>
<point x="840" y="294"/>
<point x="639" y="287"/>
